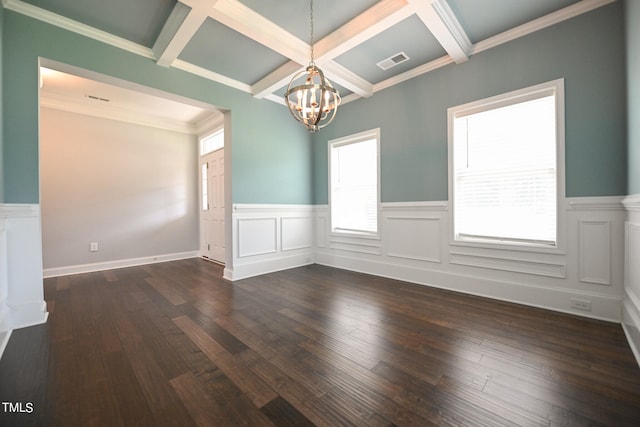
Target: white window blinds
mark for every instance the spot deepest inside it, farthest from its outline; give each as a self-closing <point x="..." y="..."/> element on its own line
<point x="505" y="171"/>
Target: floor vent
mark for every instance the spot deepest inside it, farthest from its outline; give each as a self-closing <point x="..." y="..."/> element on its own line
<point x="396" y="59"/>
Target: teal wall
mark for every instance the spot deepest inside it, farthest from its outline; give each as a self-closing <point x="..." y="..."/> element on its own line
<point x="272" y="158"/>
<point x="271" y="154"/>
<point x="588" y="51"/>
<point x="632" y="13"/>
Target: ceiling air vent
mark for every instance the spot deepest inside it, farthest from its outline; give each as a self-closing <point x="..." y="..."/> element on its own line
<point x="97" y="98"/>
<point x="396" y="59"/>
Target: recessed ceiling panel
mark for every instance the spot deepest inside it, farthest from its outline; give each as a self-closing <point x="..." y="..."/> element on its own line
<point x="486" y="18"/>
<point x="293" y="15"/>
<point x="217" y="48"/>
<point x="139" y="21"/>
<point x="410" y="36"/>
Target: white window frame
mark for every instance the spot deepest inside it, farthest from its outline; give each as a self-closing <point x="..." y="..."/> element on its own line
<point x="208" y="135"/>
<point x="555" y="87"/>
<point x="373" y="134"/>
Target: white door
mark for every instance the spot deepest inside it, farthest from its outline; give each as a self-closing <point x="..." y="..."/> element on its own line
<point x="212" y="206"/>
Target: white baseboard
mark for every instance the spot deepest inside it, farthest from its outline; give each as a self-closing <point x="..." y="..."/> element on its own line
<point x="110" y="265"/>
<point x="4" y="340"/>
<point x="259" y="267"/>
<point x="631" y="325"/>
<point x="603" y="307"/>
<point x="29" y="314"/>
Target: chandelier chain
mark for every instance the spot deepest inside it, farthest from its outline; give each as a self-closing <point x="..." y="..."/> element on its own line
<point x="311" y="31"/>
<point x="311" y="98"/>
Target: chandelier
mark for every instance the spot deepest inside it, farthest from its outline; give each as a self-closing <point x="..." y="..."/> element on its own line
<point x="310" y="96"/>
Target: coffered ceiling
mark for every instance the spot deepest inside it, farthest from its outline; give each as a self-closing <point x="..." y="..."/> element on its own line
<point x="257" y="45"/>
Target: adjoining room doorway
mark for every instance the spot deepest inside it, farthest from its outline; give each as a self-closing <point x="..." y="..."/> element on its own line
<point x="212" y="206"/>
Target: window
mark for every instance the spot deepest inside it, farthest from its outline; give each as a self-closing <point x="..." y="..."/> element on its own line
<point x="208" y="144"/>
<point x="506" y="167"/>
<point x="212" y="142"/>
<point x="204" y="176"/>
<point x="353" y="170"/>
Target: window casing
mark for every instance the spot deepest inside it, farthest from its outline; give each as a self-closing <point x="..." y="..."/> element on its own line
<point x="506" y="178"/>
<point x="212" y="142"/>
<point x="354" y="184"/>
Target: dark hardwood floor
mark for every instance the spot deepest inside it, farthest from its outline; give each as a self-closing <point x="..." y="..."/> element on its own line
<point x="173" y="344"/>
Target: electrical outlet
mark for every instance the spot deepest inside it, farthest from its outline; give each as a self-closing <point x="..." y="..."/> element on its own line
<point x="93" y="247"/>
<point x="580" y="304"/>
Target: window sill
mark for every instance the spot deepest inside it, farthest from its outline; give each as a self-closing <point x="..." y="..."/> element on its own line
<point x="508" y="246"/>
<point x="358" y="234"/>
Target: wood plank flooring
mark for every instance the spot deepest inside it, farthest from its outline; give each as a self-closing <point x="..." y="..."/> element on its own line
<point x="173" y="344"/>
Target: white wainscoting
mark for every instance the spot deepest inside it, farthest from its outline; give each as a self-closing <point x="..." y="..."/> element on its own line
<point x="269" y="238"/>
<point x="415" y="245"/>
<point x="631" y="307"/>
<point x="5" y="323"/>
<point x="22" y="301"/>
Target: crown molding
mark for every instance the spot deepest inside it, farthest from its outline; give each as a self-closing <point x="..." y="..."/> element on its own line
<point x="242" y="19"/>
<point x="72" y="105"/>
<point x="76" y="27"/>
<point x="209" y="124"/>
<point x="553" y="18"/>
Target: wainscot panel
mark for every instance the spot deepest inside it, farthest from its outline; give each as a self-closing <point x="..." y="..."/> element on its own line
<point x="270" y="238"/>
<point x="416" y="245"/>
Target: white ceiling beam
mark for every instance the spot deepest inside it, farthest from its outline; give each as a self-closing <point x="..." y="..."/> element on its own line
<point x="251" y="24"/>
<point x="210" y="75"/>
<point x="443" y="24"/>
<point x="275" y="80"/>
<point x="336" y="73"/>
<point x="247" y="22"/>
<point x="183" y="22"/>
<point x="381" y="16"/>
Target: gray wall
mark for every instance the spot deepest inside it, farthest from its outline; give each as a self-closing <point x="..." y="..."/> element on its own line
<point x="1" y="104"/>
<point x="131" y="188"/>
<point x="632" y="13"/>
<point x="588" y="51"/>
